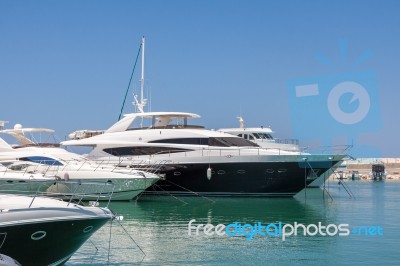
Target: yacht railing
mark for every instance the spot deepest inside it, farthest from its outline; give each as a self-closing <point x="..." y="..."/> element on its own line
<point x="157" y="161"/>
<point x="138" y="165"/>
<point x="287" y="141"/>
<point x="53" y="168"/>
<point x="73" y="192"/>
<point x="206" y="152"/>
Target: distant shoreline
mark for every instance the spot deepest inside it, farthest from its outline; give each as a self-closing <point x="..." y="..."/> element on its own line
<point x="364" y="167"/>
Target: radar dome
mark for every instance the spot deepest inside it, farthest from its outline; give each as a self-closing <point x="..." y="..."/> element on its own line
<point x="17" y="126"/>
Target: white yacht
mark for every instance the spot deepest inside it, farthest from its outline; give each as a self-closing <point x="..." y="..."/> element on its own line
<point x="30" y="162"/>
<point x="44" y="231"/>
<point x="262" y="136"/>
<point x="201" y="161"/>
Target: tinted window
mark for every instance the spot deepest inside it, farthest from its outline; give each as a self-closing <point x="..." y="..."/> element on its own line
<point x="189" y="141"/>
<point x="257" y="136"/>
<point x="268" y="136"/>
<point x="42" y="160"/>
<point x="135" y="151"/>
<point x="231" y="142"/>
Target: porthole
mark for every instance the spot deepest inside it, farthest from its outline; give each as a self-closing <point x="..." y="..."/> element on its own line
<point x="177" y="173"/>
<point x="88" y="229"/>
<point x="282" y="170"/>
<point x="38" y="235"/>
<point x="241" y="172"/>
<point x="221" y="172"/>
<point x="270" y="171"/>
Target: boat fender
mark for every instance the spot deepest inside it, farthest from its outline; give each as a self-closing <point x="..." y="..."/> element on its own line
<point x="209" y="173"/>
<point x="66" y="176"/>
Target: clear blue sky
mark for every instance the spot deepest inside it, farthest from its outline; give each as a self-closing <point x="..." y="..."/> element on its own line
<point x="66" y="64"/>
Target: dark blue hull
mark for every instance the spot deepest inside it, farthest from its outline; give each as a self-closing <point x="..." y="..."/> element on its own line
<point x="283" y="179"/>
<point x="46" y="242"/>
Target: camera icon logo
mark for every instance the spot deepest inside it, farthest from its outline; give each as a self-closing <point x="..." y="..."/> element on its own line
<point x="333" y="107"/>
<point x="358" y="92"/>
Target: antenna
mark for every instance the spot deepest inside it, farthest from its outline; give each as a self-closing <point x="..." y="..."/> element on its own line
<point x="241" y="121"/>
<point x="2" y="124"/>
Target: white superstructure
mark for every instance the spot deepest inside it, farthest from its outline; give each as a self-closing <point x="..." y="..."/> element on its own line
<point x="262" y="136"/>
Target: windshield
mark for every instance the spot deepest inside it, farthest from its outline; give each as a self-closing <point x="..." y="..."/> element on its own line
<point x="41" y="160"/>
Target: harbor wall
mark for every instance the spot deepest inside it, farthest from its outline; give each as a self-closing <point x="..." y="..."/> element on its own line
<point x="364" y="167"/>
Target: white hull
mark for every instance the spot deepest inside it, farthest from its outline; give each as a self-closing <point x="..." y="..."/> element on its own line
<point x="121" y="186"/>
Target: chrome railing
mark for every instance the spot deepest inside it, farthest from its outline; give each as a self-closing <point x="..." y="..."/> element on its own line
<point x="69" y="191"/>
<point x="50" y="168"/>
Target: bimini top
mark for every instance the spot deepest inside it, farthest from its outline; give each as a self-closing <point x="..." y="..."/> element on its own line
<point x="158" y="120"/>
<point x="18" y="132"/>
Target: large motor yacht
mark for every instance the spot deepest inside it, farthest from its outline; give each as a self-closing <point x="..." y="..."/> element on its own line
<point x="201" y="161"/>
<point x="29" y="162"/>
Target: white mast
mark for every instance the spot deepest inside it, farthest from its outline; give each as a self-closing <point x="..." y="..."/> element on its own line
<point x="142" y="79"/>
<point x="140" y="105"/>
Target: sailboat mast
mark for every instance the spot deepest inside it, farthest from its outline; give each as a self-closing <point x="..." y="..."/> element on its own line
<point x="138" y="105"/>
<point x="142" y="77"/>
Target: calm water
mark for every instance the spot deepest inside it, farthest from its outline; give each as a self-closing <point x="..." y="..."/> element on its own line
<point x="159" y="225"/>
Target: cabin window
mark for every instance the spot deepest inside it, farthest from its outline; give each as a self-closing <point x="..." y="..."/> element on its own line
<point x="219" y="142"/>
<point x="187" y="141"/>
<point x="18" y="167"/>
<point x="257" y="136"/>
<point x="41" y="160"/>
<point x="268" y="136"/>
<point x="229" y="142"/>
<point x="136" y="151"/>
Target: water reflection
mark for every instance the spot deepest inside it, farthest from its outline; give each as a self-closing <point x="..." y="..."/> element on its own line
<point x="159" y="225"/>
<point x="164" y="210"/>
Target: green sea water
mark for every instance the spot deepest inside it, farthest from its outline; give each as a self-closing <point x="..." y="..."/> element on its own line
<point x="159" y="227"/>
